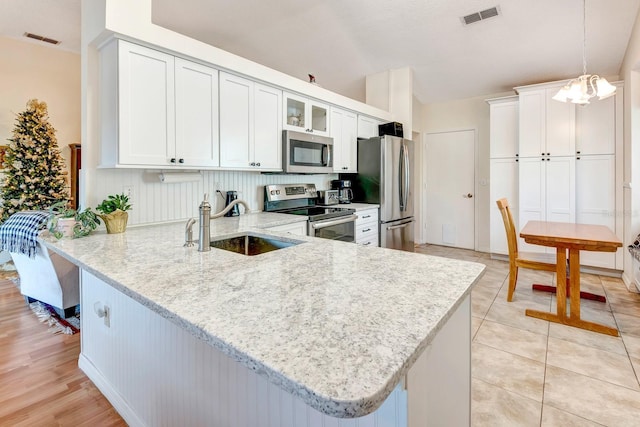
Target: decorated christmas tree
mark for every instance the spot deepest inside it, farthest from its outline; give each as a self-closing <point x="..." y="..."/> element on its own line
<point x="34" y="170"/>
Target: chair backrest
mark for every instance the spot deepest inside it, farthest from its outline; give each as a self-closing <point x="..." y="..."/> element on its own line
<point x="509" y="227"/>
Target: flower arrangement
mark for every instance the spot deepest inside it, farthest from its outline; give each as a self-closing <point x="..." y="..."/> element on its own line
<point x="113" y="211"/>
<point x="64" y="221"/>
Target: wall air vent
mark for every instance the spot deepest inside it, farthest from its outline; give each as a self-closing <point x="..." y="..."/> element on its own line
<point x="480" y="16"/>
<point x="41" y="38"/>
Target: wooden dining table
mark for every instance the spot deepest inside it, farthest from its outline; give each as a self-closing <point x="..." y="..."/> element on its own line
<point x="572" y="238"/>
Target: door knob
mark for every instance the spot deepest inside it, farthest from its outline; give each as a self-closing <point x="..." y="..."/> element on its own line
<point x="467" y="196"/>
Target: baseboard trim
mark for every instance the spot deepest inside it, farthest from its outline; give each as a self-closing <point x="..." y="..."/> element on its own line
<point x="116" y="400"/>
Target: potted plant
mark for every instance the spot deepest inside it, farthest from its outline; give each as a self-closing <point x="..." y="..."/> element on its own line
<point x="114" y="212"/>
<point x="66" y="222"/>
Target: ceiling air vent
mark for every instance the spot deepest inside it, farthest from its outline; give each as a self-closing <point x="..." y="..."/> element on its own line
<point x="41" y="38"/>
<point x="480" y="16"/>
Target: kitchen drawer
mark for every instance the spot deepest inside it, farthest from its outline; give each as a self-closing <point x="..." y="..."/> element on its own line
<point x="366" y="231"/>
<point x="368" y="241"/>
<point x="296" y="228"/>
<point x="367" y="216"/>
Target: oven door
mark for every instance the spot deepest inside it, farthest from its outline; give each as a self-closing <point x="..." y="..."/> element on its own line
<point x="342" y="228"/>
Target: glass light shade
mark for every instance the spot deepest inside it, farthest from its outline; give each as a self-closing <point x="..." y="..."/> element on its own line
<point x="605" y="89"/>
<point x="562" y="94"/>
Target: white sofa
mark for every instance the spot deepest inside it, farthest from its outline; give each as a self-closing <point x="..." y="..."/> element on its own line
<point x="49" y="278"/>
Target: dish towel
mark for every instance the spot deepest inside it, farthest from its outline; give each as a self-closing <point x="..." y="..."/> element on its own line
<point x="19" y="233"/>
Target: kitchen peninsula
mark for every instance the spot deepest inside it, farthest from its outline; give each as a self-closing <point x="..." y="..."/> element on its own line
<point x="320" y="332"/>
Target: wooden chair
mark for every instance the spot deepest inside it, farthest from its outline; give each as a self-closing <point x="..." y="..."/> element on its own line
<point x="515" y="261"/>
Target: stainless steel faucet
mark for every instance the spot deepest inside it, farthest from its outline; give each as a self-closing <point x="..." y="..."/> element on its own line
<point x="188" y="233"/>
<point x="230" y="206"/>
<point x="205" y="216"/>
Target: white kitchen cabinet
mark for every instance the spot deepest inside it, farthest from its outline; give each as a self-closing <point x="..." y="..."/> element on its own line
<point x="503" y="180"/>
<point x="367" y="227"/>
<point x="546" y="188"/>
<point x="296" y="228"/>
<point x="503" y="184"/>
<point x="503" y="127"/>
<point x="156" y="110"/>
<point x="196" y="115"/>
<point x="596" y="130"/>
<point x="250" y="131"/>
<point x="305" y="115"/>
<point x="368" y="127"/>
<point x="546" y="126"/>
<point x="595" y="201"/>
<point x="344" y="128"/>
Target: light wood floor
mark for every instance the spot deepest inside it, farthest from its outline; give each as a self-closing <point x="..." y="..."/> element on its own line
<point x="40" y="382"/>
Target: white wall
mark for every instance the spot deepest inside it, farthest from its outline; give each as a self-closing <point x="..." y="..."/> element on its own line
<point x="630" y="72"/>
<point x="471" y="113"/>
<point x="30" y="70"/>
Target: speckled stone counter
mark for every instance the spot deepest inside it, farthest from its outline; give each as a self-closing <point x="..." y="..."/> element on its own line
<point x="334" y="323"/>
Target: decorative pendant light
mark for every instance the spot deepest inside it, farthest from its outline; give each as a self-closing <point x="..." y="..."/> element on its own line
<point x="580" y="90"/>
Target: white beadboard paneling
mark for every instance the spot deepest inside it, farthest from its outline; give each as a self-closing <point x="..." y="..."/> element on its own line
<point x="154" y="201"/>
<point x="155" y="373"/>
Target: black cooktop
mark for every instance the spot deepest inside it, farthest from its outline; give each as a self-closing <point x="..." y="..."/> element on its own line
<point x="318" y="213"/>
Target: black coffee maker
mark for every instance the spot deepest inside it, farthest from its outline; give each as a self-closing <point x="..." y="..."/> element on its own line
<point x="345" y="194"/>
<point x="231" y="196"/>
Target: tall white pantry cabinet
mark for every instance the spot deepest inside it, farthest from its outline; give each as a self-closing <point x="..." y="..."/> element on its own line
<point x="558" y="162"/>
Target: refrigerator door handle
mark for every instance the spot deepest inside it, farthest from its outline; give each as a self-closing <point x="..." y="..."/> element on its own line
<point x="401" y="177"/>
<point x="395" y="227"/>
<point x="407" y="176"/>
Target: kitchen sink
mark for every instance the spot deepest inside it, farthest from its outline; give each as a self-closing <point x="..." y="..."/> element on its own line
<point x="249" y="244"/>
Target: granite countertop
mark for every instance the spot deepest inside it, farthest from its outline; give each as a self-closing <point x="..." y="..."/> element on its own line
<point x="334" y="323"/>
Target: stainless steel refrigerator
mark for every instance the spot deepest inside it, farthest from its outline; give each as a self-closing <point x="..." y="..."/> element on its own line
<point x="385" y="176"/>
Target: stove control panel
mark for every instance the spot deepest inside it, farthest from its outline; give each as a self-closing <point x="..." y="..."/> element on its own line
<point x="278" y="192"/>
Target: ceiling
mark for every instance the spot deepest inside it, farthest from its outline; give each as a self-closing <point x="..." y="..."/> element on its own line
<point x="341" y="42"/>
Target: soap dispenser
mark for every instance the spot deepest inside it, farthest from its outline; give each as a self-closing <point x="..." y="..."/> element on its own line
<point x="204" y="243"/>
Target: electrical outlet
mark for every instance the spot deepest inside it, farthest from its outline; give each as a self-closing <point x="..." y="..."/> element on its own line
<point x="127" y="190"/>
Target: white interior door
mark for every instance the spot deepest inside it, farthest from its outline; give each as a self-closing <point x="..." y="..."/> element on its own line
<point x="450" y="188"/>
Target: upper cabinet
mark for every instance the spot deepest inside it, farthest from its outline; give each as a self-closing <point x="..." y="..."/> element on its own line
<point x="196" y="114"/>
<point x="367" y="127"/>
<point x="547" y="127"/>
<point x="503" y="127"/>
<point x="156" y="110"/>
<point x="304" y="115"/>
<point x="250" y="124"/>
<point x="344" y="129"/>
<point x="596" y="130"/>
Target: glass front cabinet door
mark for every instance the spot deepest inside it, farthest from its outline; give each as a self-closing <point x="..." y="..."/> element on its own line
<point x="304" y="115"/>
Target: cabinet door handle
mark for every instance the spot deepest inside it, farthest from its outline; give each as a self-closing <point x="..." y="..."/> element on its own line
<point x="542" y="154"/>
<point x="173" y="160"/>
<point x="252" y="164"/>
<point x="258" y="164"/>
<point x="516" y="160"/>
<point x="577" y="152"/>
<point x="366" y="244"/>
<point x="577" y="158"/>
<point x="366" y="216"/>
<point x="517" y="155"/>
<point x="548" y="154"/>
<point x="366" y="230"/>
<point x="181" y="161"/>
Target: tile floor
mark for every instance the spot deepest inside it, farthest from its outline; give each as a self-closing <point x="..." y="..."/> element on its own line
<point x="531" y="372"/>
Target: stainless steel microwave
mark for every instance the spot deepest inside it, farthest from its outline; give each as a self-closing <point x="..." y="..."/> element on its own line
<point x="306" y="153"/>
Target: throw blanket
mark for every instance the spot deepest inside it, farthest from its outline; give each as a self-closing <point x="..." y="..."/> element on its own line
<point x="19" y="233"/>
